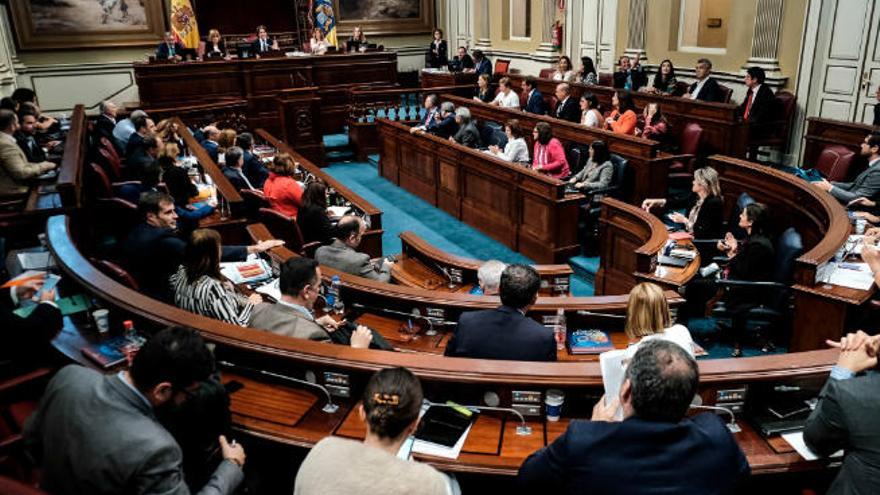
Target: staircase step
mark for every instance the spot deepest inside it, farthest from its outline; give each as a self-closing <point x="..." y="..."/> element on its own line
<point x="585" y="267"/>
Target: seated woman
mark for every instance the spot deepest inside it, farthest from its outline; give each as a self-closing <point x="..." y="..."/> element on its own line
<point x="506" y="96"/>
<point x="664" y="80"/>
<point x="548" y="157"/>
<point x="598" y="172"/>
<point x="313" y="220"/>
<point x="224" y="142"/>
<point x="215" y="47"/>
<point x="182" y="189"/>
<point x="591" y="113"/>
<point x="564" y="70"/>
<point x="390" y="409"/>
<point x="357" y="41"/>
<point x="467" y="134"/>
<point x="318" y="44"/>
<point x="516" y="150"/>
<point x="484" y="90"/>
<point x="654" y="124"/>
<point x="282" y="191"/>
<point x="750" y="261"/>
<point x="199" y="287"/>
<point x="705" y="210"/>
<point x="648" y="317"/>
<point x="167" y="130"/>
<point x="623" y="118"/>
<point x="587" y="74"/>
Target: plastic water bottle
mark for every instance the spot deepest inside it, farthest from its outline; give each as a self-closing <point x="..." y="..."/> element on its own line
<point x="560" y="330"/>
<point x="330" y="294"/>
<point x="338" y="305"/>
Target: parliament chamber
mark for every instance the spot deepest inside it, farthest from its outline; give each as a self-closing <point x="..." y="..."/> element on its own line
<point x="417" y="233"/>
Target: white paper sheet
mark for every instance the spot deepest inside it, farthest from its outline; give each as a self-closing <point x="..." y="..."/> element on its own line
<point x="796" y="440"/>
<point x="852" y="275"/>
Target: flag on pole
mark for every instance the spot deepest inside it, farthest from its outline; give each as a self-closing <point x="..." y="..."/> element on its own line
<point x="183" y="23"/>
<point x="324" y="18"/>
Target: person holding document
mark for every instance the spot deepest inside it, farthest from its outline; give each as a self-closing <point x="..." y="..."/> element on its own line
<point x="27" y="337"/>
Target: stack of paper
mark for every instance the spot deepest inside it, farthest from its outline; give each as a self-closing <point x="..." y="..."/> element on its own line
<point x="852" y="275"/>
<point x="245" y="272"/>
<point x="796" y="440"/>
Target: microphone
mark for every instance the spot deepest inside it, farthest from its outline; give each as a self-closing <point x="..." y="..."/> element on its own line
<point x="328" y="408"/>
<point x="731" y="425"/>
<point x="582" y="312"/>
<point x="414" y="314"/>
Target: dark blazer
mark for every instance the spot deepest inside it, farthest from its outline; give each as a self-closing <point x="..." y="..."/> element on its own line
<point x="639" y="78"/>
<point x="162" y="51"/>
<point x="135" y="143"/>
<point x="459" y="64"/>
<point x="439" y="59"/>
<point x="866" y="184"/>
<point x="484" y="67"/>
<point x="137" y="163"/>
<point x="32" y="149"/>
<point x="153" y="254"/>
<point x="762" y="105"/>
<point x="486" y="97"/>
<point x="26" y="340"/>
<point x="446" y="128"/>
<point x="709" y="92"/>
<point x="846" y="418"/>
<point x="111" y="422"/>
<point x="877" y="114"/>
<point x="710" y="219"/>
<point x="754" y="262"/>
<point x="569" y="111"/>
<point x="696" y="455"/>
<point x="315" y="224"/>
<point x="209" y="49"/>
<point x="501" y="333"/>
<point x="104" y="127"/>
<point x="468" y="136"/>
<point x="254" y="170"/>
<point x="212" y="148"/>
<point x="256" y="46"/>
<point x="536" y="103"/>
<point x="235" y="177"/>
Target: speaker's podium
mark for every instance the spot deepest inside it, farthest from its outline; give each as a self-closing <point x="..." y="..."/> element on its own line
<point x="299" y="109"/>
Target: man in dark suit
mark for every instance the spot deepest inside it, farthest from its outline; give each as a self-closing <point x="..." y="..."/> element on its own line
<point x="253" y="168"/>
<point x="106" y="122"/>
<point x="467" y="134"/>
<point x="263" y="44"/>
<point x="706" y="88"/>
<point x="629" y="76"/>
<point x="114" y="442"/>
<point x="482" y="65"/>
<point x="446" y="125"/>
<point x="431" y="110"/>
<point x="211" y="134"/>
<point x="534" y="99"/>
<point x="153" y="250"/>
<point x="142" y="158"/>
<point x="170" y="48"/>
<point x="25" y="136"/>
<point x="566" y="108"/>
<point x="26" y="340"/>
<point x="845" y="417"/>
<point x="143" y="127"/>
<point x="757" y="107"/>
<point x="506" y="332"/>
<point x="867" y="183"/>
<point x="234" y="169"/>
<point x="655" y="449"/>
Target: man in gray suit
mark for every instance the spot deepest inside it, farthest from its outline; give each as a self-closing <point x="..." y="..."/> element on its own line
<point x="846" y="416"/>
<point x="300" y="285"/>
<point x="342" y="255"/>
<point x="98" y="434"/>
<point x="867" y="184"/>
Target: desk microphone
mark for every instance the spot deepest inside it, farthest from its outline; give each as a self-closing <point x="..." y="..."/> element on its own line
<point x="731" y="425"/>
<point x="414" y="314"/>
<point x="328" y="408"/>
<point x="582" y="312"/>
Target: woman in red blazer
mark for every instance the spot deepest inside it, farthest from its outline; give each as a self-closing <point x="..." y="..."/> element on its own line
<point x="281" y="190"/>
<point x="623" y="119"/>
<point x="549" y="156"/>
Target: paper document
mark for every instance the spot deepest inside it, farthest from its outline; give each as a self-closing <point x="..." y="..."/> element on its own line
<point x="35" y="260"/>
<point x="338" y="211"/>
<point x="852" y="275"/>
<point x="252" y="270"/>
<point x="613" y="366"/>
<point x="271" y="289"/>
<point x="796" y="440"/>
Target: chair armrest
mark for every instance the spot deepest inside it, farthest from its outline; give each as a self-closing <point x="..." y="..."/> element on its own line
<point x="752" y="284"/>
<point x="13" y="383"/>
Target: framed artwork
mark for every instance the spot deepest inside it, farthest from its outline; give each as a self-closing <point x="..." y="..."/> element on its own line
<point x="383" y="17"/>
<point x="54" y="24"/>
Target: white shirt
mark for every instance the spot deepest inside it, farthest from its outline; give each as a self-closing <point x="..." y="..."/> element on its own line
<point x="515" y="150"/>
<point x="590" y="119"/>
<point x="509" y="100"/>
<point x="698" y="88"/>
<point x="678" y="334"/>
<point x="563" y="76"/>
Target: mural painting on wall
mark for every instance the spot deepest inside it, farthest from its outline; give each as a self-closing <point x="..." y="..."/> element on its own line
<point x="385" y="16"/>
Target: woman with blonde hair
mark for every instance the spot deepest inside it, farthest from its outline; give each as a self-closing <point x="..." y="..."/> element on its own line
<point x="167" y="130"/>
<point x="648" y="317"/>
<point x="704" y="206"/>
<point x="214" y="45"/>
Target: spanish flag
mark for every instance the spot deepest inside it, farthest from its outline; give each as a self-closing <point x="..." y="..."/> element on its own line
<point x="183" y="23"/>
<point x="324" y="18"/>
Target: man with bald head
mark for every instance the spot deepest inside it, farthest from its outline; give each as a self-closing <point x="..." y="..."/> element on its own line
<point x="342" y="254"/>
<point x="212" y="134"/>
<point x="566" y="108"/>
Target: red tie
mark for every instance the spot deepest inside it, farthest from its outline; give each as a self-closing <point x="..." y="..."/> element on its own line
<point x="748" y="105"/>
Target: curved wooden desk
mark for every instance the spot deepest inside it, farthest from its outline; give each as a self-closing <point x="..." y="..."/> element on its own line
<point x="292" y="415"/>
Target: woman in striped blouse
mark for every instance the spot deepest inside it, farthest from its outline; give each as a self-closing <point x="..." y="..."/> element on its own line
<point x="199" y="287"/>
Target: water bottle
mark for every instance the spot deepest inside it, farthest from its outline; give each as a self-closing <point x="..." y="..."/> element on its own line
<point x="330" y="294"/>
<point x="560" y="330"/>
<point x="338" y="305"/>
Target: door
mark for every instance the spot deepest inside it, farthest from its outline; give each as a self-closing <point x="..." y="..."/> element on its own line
<point x="870" y="75"/>
<point x="593" y="32"/>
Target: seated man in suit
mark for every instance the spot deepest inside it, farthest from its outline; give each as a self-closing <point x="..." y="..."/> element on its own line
<point x="170" y="48"/>
<point x="143" y="158"/>
<point x="462" y="61"/>
<point x="116" y="419"/>
<point x="431" y="110"/>
<point x="757" y="107"/>
<point x="15" y="170"/>
<point x="534" y="99"/>
<point x="867" y="184"/>
<point x="489" y="277"/>
<point x="124" y="129"/>
<point x="446" y="125"/>
<point x="211" y="135"/>
<point x="143" y="127"/>
<point x="629" y="75"/>
<point x="844" y="417"/>
<point x="567" y="108"/>
<point x="253" y="168"/>
<point x="105" y="124"/>
<point x="467" y="134"/>
<point x="506" y="332"/>
<point x="706" y="88"/>
<point x="263" y="44"/>
<point x="674" y="453"/>
<point x="482" y="65"/>
<point x="27" y="340"/>
<point x="154" y="249"/>
<point x="234" y="171"/>
<point x="293" y="316"/>
<point x="25" y="136"/>
<point x="342" y="254"/>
